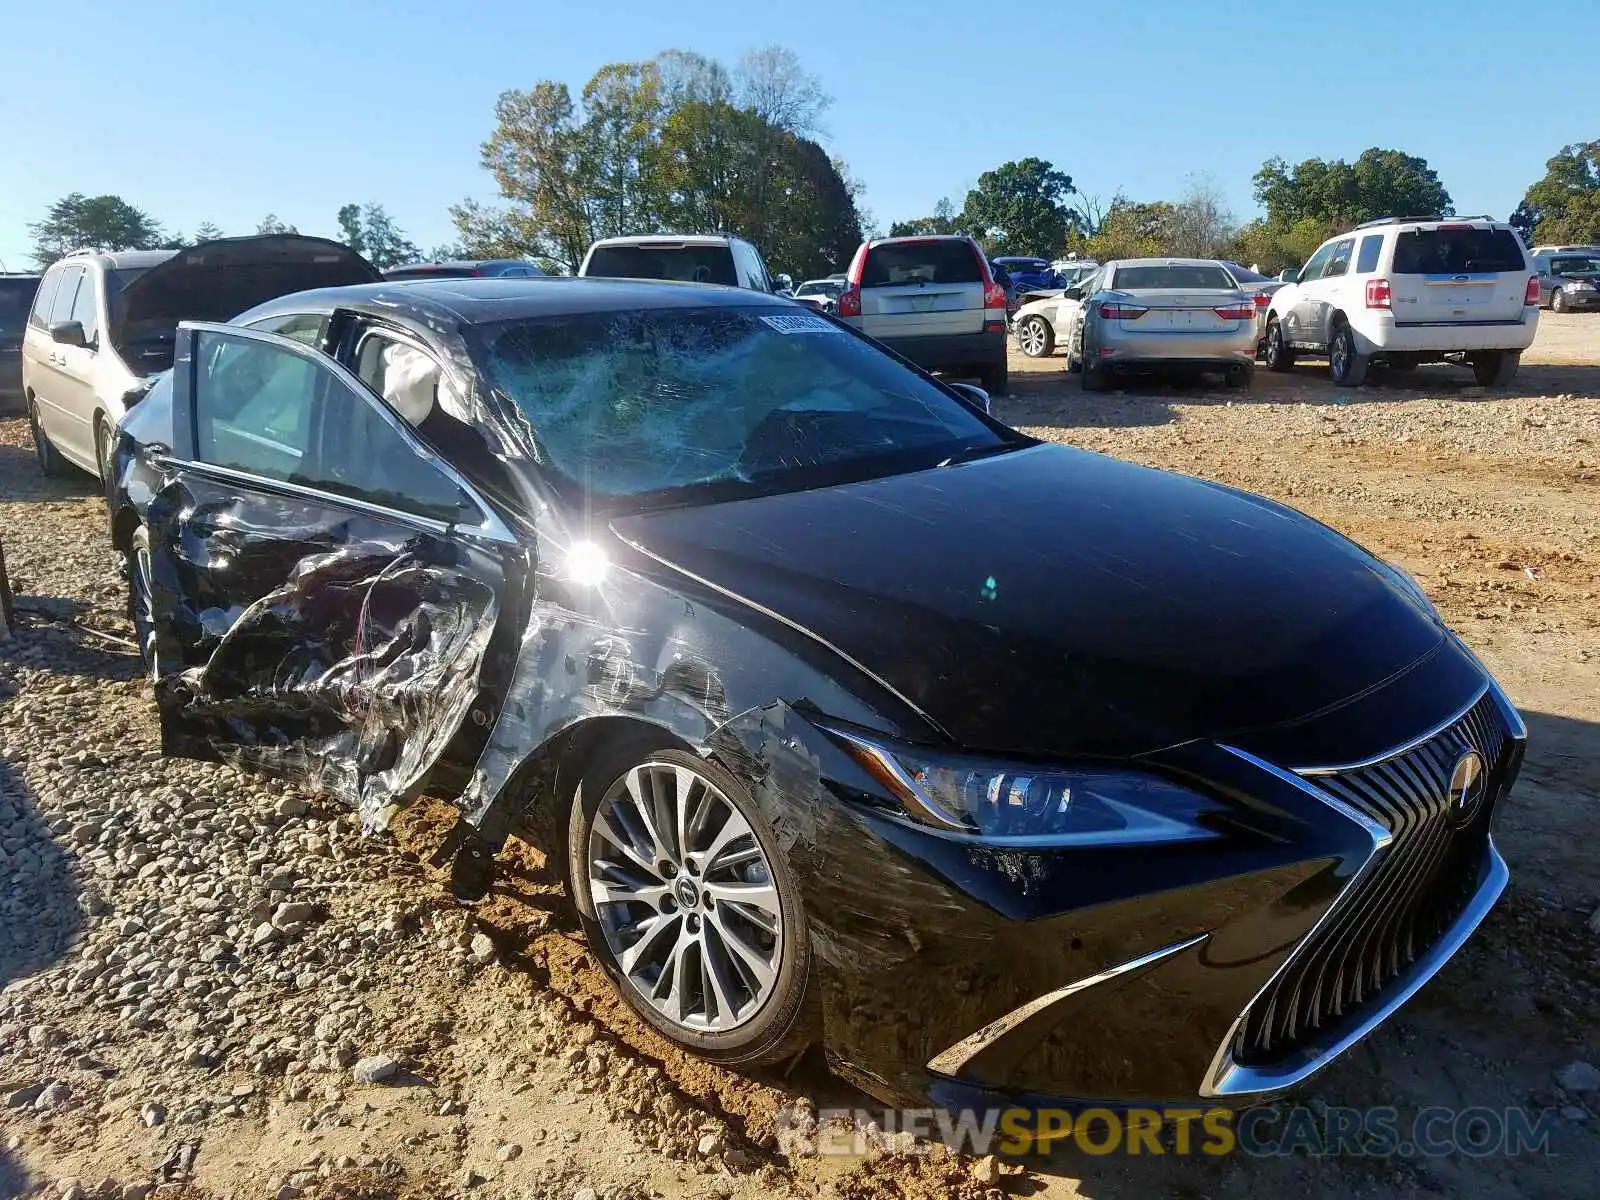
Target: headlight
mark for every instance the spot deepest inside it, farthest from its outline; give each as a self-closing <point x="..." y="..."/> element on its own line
<point x="1014" y="804"/>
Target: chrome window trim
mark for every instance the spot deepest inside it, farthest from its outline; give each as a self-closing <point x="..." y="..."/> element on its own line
<point x="1403" y="748"/>
<point x="491" y="528"/>
<point x="953" y="1060"/>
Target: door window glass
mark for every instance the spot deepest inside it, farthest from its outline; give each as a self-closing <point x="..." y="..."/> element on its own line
<point x="1367" y="259"/>
<point x="66" y="296"/>
<point x="279" y="414"/>
<point x="45" y="297"/>
<point x="1339" y="260"/>
<point x="1313" y="269"/>
<point x="253" y="404"/>
<point x="302" y="327"/>
<point x="84" y="308"/>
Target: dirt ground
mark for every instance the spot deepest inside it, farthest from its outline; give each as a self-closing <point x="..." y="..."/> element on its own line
<point x="1491" y="501"/>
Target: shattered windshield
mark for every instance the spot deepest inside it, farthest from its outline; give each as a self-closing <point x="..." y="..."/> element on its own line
<point x="671" y="405"/>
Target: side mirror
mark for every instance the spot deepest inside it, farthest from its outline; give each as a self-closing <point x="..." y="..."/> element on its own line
<point x="1289" y="275"/>
<point x="1073" y="293"/>
<point x="786" y="282"/>
<point x="975" y="396"/>
<point x="68" y="333"/>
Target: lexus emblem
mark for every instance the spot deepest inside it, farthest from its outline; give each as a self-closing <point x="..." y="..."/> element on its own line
<point x="1466" y="782"/>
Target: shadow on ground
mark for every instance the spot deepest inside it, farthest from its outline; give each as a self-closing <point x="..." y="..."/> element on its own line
<point x="39" y="919"/>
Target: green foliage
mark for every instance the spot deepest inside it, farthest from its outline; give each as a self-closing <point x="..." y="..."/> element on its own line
<point x="371" y="233"/>
<point x="208" y="232"/>
<point x="1564" y="204"/>
<point x="1381" y="183"/>
<point x="675" y="144"/>
<point x="270" y="225"/>
<point x="1020" y="208"/>
<point x="1131" y="230"/>
<point x="79" y="222"/>
<point x="1272" y="247"/>
<point x="944" y="220"/>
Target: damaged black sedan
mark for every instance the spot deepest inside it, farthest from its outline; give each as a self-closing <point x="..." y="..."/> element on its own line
<point x="1000" y="768"/>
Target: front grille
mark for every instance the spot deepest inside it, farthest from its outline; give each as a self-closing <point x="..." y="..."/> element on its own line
<point x="1417" y="887"/>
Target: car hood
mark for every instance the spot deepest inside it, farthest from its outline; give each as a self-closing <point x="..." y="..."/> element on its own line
<point x="1057" y="602"/>
<point x="216" y="281"/>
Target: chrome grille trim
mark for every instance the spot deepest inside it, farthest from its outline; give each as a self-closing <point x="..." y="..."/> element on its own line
<point x="1406" y="898"/>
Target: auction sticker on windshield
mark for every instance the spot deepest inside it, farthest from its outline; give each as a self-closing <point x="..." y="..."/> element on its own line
<point x="801" y="323"/>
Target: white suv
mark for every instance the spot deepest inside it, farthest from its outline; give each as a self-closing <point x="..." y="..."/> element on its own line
<point x="697" y="258"/>
<point x="1408" y="290"/>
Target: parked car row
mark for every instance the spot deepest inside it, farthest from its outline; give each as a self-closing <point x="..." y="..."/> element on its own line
<point x="1396" y="293"/>
<point x="745" y="619"/>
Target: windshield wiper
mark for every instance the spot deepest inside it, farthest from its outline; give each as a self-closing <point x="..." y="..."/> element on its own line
<point x="973" y="453"/>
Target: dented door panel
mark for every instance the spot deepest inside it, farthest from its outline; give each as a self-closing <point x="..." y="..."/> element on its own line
<point x="340" y="648"/>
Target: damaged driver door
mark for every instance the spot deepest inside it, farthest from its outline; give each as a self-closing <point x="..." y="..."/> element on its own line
<point x="334" y="584"/>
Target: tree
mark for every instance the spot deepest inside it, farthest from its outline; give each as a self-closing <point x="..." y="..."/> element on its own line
<point x="208" y="232"/>
<point x="1381" y="183"/>
<point x="1021" y="208"/>
<point x="772" y="84"/>
<point x="1274" y="247"/>
<point x="944" y="220"/>
<point x="674" y="144"/>
<point x="1201" y="223"/>
<point x="1132" y="230"/>
<point x="371" y="233"/>
<point x="270" y="225"/>
<point x="79" y="222"/>
<point x="1564" y="204"/>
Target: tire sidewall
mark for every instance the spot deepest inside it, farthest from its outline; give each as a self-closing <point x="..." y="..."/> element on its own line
<point x="786" y="1008"/>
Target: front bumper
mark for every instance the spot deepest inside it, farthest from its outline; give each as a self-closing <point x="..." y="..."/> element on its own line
<point x="1117" y="976"/>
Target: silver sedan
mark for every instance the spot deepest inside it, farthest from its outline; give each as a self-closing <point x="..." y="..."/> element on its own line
<point x="1144" y="314"/>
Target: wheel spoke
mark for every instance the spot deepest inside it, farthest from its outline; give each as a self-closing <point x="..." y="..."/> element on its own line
<point x="602" y="892"/>
<point x="642" y="793"/>
<point x="714" y="973"/>
<point x="607" y="831"/>
<point x="652" y="933"/>
<point x="762" y="897"/>
<point x="733" y="828"/>
<point x="750" y="960"/>
<point x="672" y="1002"/>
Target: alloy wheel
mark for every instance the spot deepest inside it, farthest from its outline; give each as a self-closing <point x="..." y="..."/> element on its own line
<point x="141" y="602"/>
<point x="685" y="897"/>
<point x="1030" y="337"/>
<point x="1339" y="354"/>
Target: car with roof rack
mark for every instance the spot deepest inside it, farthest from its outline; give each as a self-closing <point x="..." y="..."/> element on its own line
<point x="1401" y="291"/>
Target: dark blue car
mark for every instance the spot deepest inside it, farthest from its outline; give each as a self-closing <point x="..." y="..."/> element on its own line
<point x="1028" y="273"/>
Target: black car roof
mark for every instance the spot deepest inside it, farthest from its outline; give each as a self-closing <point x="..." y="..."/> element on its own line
<point x="485" y="299"/>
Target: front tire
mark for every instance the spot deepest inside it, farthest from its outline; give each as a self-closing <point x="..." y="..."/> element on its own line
<point x="689" y="905"/>
<point x="1035" y="338"/>
<point x="141" y="597"/>
<point x="1280" y="357"/>
<point x="51" y="463"/>
<point x="1346" y="366"/>
<point x="1495" y="368"/>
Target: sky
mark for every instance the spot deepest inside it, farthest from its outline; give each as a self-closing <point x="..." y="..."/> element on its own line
<point x="195" y="110"/>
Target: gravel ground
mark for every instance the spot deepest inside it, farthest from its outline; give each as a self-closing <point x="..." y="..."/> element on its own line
<point x="214" y="986"/>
